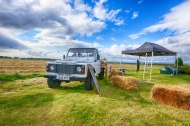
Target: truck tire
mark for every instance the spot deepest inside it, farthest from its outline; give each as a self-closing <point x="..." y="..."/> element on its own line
<point x="89" y="83"/>
<point x="53" y="83"/>
<point x="101" y="74"/>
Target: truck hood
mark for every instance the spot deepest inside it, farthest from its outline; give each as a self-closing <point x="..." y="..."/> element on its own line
<point x="76" y="60"/>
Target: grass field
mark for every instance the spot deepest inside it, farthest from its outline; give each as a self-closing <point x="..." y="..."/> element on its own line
<point x="26" y="100"/>
<point x="22" y="66"/>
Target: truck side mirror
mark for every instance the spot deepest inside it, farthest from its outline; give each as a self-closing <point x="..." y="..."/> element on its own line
<point x="63" y="56"/>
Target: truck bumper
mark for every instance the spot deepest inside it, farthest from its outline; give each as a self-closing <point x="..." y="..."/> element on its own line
<point x="71" y="78"/>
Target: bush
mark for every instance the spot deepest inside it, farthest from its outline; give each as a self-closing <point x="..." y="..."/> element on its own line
<point x="180" y="61"/>
<point x="185" y="70"/>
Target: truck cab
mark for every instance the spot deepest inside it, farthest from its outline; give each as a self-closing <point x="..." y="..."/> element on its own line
<point x="74" y="67"/>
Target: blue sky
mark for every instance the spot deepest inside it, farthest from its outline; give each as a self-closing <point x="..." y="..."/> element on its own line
<point x="148" y="13"/>
<point x="47" y="28"/>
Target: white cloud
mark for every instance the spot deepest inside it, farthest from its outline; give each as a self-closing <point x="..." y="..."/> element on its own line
<point x="135" y="15"/>
<point x="179" y="44"/>
<point x="127" y="11"/>
<point x="104" y="14"/>
<point x="115" y="50"/>
<point x="99" y="38"/>
<point x="140" y="1"/>
<point x="42" y="14"/>
<point x="177" y="21"/>
<point x="99" y="11"/>
<point x="58" y="22"/>
<point x="113" y="39"/>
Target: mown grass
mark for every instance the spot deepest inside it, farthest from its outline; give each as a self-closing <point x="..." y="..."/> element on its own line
<point x="16" y="76"/>
<point x="31" y="102"/>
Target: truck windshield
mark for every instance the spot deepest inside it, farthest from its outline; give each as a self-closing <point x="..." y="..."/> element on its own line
<point x="77" y="52"/>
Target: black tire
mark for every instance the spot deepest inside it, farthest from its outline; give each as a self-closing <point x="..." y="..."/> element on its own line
<point x="53" y="83"/>
<point x="101" y="74"/>
<point x="89" y="83"/>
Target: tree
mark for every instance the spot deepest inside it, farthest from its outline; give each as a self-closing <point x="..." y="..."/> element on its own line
<point x="180" y="61"/>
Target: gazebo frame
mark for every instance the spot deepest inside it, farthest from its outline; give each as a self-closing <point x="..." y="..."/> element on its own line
<point x="151" y="49"/>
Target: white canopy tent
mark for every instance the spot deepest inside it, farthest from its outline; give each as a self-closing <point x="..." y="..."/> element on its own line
<point x="150" y="49"/>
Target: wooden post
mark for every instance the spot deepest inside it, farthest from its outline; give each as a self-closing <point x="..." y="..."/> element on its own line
<point x="106" y="72"/>
<point x="144" y="66"/>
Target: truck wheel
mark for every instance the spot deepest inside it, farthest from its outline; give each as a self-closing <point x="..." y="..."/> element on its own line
<point x="53" y="83"/>
<point x="89" y="83"/>
<point x="101" y="74"/>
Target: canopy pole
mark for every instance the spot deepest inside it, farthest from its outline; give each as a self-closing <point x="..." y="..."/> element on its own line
<point x="144" y="66"/>
<point x="151" y="66"/>
<point x="175" y="64"/>
<point x="177" y="67"/>
<point x="120" y="62"/>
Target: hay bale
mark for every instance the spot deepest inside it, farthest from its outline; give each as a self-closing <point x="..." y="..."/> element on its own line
<point x="170" y="95"/>
<point x="116" y="73"/>
<point x="127" y="83"/>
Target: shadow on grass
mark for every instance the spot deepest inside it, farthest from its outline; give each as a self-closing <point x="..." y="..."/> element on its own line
<point x="76" y="88"/>
<point x="72" y="88"/>
<point x="33" y="100"/>
<point x="141" y="96"/>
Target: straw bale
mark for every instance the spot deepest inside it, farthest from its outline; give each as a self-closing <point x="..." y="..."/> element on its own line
<point x="116" y="73"/>
<point x="127" y="83"/>
<point x="171" y="95"/>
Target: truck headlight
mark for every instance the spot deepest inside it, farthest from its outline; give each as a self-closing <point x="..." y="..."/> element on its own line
<point x="52" y="67"/>
<point x="79" y="69"/>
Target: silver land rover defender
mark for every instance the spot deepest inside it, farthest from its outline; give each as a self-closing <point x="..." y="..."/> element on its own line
<point x="74" y="67"/>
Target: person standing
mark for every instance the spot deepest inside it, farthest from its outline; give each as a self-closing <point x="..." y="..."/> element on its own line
<point x="138" y="66"/>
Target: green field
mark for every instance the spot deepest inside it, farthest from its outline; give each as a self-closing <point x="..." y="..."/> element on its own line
<point x="28" y="101"/>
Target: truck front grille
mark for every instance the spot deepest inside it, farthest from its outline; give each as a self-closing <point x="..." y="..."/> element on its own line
<point x="65" y="69"/>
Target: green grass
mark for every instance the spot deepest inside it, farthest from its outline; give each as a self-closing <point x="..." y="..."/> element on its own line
<point x="185" y="69"/>
<point x="31" y="102"/>
<point x="16" y="76"/>
<point x="158" y="78"/>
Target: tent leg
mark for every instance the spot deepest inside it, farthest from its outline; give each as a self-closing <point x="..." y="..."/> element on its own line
<point x="177" y="67"/>
<point x="175" y="63"/>
<point x="151" y="66"/>
<point x="120" y="62"/>
<point x="144" y="66"/>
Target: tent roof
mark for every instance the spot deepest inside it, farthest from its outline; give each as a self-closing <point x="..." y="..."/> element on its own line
<point x="148" y="48"/>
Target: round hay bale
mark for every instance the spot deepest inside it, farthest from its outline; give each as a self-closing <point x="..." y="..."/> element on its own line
<point x="127" y="83"/>
<point x="171" y="95"/>
<point x="115" y="73"/>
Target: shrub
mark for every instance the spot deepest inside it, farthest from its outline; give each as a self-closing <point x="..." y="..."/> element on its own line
<point x="185" y="70"/>
<point x="180" y="61"/>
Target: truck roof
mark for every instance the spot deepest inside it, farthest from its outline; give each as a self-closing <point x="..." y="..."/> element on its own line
<point x="84" y="48"/>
